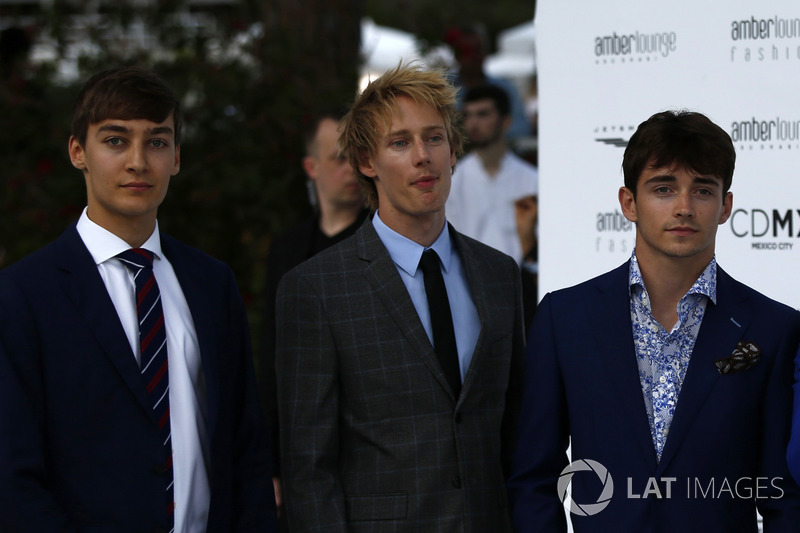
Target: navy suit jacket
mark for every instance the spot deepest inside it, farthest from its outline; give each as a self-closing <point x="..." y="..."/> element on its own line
<point x="582" y="383"/>
<point x="793" y="455"/>
<point x="80" y="448"/>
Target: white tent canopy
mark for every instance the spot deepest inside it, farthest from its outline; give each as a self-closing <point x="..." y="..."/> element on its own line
<point x="515" y="54"/>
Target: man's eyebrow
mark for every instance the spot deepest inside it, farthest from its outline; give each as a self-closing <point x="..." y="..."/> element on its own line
<point x="160" y="130"/>
<point x="116" y="128"/>
<point x="706" y="180"/>
<point x="670" y="178"/>
<point x="113" y="128"/>
<point x="425" y="129"/>
<point x="662" y="178"/>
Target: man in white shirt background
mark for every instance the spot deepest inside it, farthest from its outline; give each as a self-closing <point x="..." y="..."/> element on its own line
<point x="493" y="188"/>
<point x="494" y="193"/>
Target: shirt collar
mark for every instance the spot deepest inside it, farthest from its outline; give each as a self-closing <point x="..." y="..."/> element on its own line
<point x="104" y="245"/>
<point x="406" y="253"/>
<point x="705" y="285"/>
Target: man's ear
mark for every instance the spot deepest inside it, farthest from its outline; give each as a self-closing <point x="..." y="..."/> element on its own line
<point x="727" y="207"/>
<point x="76" y="153"/>
<point x="177" y="165"/>
<point x="367" y="168"/>
<point x="627" y="202"/>
<point x="310" y="165"/>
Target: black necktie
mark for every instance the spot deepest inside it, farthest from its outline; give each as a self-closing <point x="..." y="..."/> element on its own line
<point x="444" y="338"/>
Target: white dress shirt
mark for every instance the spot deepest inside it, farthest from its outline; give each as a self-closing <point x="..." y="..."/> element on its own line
<point x="187" y="389"/>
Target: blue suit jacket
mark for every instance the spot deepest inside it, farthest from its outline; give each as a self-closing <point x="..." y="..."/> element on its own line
<point x="793" y="454"/>
<point x="79" y="447"/>
<point x="582" y="383"/>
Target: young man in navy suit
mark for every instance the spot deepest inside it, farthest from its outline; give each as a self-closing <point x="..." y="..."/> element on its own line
<point x="670" y="380"/>
<point x="127" y="396"/>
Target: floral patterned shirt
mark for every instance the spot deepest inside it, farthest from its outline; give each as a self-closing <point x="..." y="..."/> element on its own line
<point x="663" y="356"/>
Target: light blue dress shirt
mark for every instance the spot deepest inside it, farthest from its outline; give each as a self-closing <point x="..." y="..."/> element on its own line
<point x="406" y="255"/>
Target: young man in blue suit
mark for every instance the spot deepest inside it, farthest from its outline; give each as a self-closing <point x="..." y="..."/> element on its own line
<point x="127" y="396"/>
<point x="670" y="380"/>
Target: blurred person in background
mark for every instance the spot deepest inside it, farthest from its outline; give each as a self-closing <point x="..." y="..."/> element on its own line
<point x="494" y="194"/>
<point x="339" y="209"/>
<point x="470" y="43"/>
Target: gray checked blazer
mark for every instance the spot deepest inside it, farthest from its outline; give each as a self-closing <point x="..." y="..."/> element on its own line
<point x="372" y="437"/>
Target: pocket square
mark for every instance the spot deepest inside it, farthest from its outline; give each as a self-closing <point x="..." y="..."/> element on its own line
<point x="747" y="354"/>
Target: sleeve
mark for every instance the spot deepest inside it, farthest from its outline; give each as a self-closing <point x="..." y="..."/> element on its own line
<point x="780" y="506"/>
<point x="793" y="454"/>
<point x="253" y="495"/>
<point x="308" y="406"/>
<point x="542" y="434"/>
<point x="26" y="501"/>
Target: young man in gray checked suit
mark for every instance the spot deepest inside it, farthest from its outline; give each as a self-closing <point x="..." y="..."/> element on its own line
<point x="398" y="388"/>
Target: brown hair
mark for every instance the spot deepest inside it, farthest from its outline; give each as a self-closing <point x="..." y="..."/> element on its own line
<point x="125" y="93"/>
<point x="685" y="139"/>
<point x="371" y="113"/>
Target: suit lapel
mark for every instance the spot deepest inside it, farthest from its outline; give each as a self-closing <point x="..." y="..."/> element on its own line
<point x="722" y="328"/>
<point x="614" y="339"/>
<point x="472" y="264"/>
<point x="84" y="287"/>
<point x="206" y="328"/>
<point x="381" y="273"/>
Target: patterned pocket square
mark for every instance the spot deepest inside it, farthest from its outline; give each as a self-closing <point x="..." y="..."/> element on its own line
<point x="746" y="355"/>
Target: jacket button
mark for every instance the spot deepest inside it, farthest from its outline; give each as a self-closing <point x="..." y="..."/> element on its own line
<point x="457" y="481"/>
<point x="458" y="418"/>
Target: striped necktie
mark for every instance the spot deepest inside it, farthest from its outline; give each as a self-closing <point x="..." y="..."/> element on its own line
<point x="153" y="346"/>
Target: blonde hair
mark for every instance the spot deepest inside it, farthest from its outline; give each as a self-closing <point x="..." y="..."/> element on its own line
<point x="371" y="114"/>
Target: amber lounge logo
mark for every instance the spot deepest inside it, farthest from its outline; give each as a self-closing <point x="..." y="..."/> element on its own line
<point x="761" y="40"/>
<point x="634" y="47"/>
<point x="766" y="133"/>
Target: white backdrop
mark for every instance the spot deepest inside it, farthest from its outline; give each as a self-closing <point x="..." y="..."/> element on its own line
<point x="604" y="67"/>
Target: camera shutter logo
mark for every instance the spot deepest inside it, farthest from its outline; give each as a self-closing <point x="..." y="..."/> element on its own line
<point x="585" y="509"/>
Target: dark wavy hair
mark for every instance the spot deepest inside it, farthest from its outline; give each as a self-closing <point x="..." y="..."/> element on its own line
<point x="682" y="139"/>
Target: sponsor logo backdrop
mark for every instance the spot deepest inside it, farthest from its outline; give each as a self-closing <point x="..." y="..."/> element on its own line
<point x="603" y="68"/>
